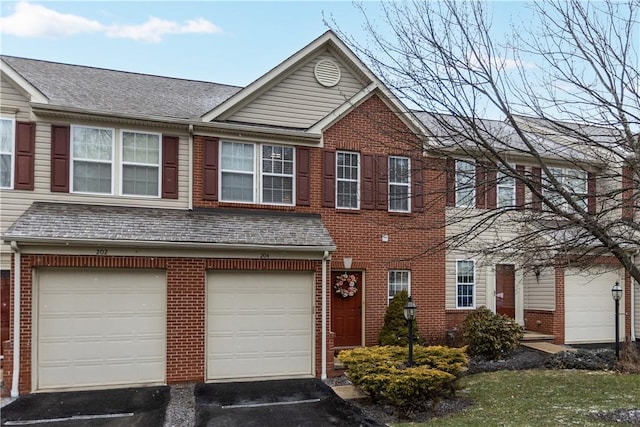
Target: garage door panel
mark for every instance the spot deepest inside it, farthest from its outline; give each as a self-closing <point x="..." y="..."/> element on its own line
<point x="100" y="327"/>
<point x="261" y="326"/>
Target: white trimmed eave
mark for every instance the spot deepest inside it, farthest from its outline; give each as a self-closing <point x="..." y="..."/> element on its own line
<point x="30" y="90"/>
<point x="166" y="244"/>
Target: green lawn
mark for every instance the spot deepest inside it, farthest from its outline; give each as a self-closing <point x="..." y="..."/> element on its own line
<point x="543" y="398"/>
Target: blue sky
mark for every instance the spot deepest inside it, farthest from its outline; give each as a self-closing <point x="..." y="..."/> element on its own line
<point x="231" y="42"/>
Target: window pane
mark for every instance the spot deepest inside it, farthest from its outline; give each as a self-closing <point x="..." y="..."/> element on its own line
<point x="140" y="180"/>
<point x="6" y="136"/>
<point x="237" y="156"/>
<point x="465" y="184"/>
<point x="399" y="198"/>
<point x="141" y="148"/>
<point x="398" y="281"/>
<point x="398" y="170"/>
<point x="92" y="143"/>
<point x="277" y="174"/>
<point x="237" y="187"/>
<point x="465" y="283"/>
<point x="277" y="189"/>
<point x="347" y="194"/>
<point x="347" y="180"/>
<point x="5" y="170"/>
<point x="92" y="177"/>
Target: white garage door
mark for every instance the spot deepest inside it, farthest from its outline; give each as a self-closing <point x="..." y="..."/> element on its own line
<point x="259" y="324"/>
<point x="99" y="328"/>
<point x="589" y="307"/>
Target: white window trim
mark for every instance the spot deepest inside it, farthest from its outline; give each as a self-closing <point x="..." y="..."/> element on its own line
<point x="73" y="159"/>
<point x="12" y="172"/>
<point x="122" y="164"/>
<point x="389" y="281"/>
<point x="400" y="184"/>
<point x="475" y="285"/>
<point x="257" y="174"/>
<point x="349" y="180"/>
<point x="472" y="202"/>
<point x="511" y="186"/>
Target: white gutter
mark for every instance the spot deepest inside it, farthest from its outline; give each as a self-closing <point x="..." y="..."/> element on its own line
<point x="190" y="179"/>
<point x="17" y="267"/>
<point x="323" y="375"/>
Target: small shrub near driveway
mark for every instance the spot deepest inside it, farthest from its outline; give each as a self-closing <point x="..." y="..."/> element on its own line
<point x="381" y="372"/>
<point x="489" y="334"/>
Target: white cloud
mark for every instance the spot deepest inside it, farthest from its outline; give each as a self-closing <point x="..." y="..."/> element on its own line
<point x="155" y="28"/>
<point x="30" y="20"/>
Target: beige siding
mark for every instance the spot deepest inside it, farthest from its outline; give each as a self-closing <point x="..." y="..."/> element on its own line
<point x="15" y="202"/>
<point x="480" y="278"/>
<point x="299" y="100"/>
<point x="11" y="97"/>
<point x="540" y="292"/>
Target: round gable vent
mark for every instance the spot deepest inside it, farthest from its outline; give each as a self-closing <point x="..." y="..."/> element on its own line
<point x="327" y="73"/>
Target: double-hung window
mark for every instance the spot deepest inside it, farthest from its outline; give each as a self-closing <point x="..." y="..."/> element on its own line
<point x="465" y="283"/>
<point x="506" y="190"/>
<point x="465" y="184"/>
<point x="399" y="184"/>
<point x="92" y="151"/>
<point x="266" y="177"/>
<point x="348" y="180"/>
<point x="140" y="163"/>
<point x="399" y="280"/>
<point x="573" y="181"/>
<point x="7" y="144"/>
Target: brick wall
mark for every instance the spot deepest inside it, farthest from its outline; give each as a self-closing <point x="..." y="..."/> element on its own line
<point x="539" y="321"/>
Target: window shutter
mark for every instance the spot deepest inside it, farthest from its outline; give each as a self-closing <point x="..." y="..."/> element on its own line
<point x="417" y="186"/>
<point x="627" y="193"/>
<point x="368" y="199"/>
<point x="481" y="186"/>
<point x="591" y="193"/>
<point x="382" y="182"/>
<point x="303" y="185"/>
<point x="451" y="182"/>
<point x="60" y="143"/>
<point x="170" y="167"/>
<point x="520" y="188"/>
<point x="210" y="169"/>
<point x="491" y="186"/>
<point x="536" y="201"/>
<point x="329" y="179"/>
<point x="25" y="152"/>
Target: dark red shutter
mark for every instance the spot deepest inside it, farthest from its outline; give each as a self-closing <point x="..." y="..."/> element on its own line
<point x="60" y="144"/>
<point x="368" y="191"/>
<point x="591" y="193"/>
<point x="536" y="200"/>
<point x="520" y="188"/>
<point x="25" y="153"/>
<point x="451" y="182"/>
<point x="417" y="186"/>
<point x="382" y="182"/>
<point x="481" y="186"/>
<point x="627" y="193"/>
<point x="329" y="179"/>
<point x="170" y="167"/>
<point x="491" y="187"/>
<point x="210" y="169"/>
<point x="303" y="184"/>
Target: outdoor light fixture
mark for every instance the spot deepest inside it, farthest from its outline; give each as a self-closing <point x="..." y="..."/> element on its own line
<point x="347" y="262"/>
<point x="616" y="293"/>
<point x="410" y="314"/>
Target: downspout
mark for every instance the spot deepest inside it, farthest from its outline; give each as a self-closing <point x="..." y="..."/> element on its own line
<point x="17" y="267"/>
<point x="634" y="337"/>
<point x="190" y="179"/>
<point x="324" y="315"/>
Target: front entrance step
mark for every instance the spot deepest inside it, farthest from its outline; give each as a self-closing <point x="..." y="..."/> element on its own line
<point x="535" y="336"/>
<point x="348" y="392"/>
<point x="546" y="347"/>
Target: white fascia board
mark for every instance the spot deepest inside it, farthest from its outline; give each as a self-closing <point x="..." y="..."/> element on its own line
<point x="34" y="94"/>
<point x="343" y="109"/>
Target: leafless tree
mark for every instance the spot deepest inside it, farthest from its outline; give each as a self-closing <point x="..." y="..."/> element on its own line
<point x="561" y="89"/>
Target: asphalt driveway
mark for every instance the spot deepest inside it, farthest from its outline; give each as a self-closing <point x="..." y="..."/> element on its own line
<point x="131" y="407"/>
<point x="284" y="403"/>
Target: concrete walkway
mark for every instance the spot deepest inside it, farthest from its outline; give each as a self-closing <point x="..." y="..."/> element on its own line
<point x="546" y="347"/>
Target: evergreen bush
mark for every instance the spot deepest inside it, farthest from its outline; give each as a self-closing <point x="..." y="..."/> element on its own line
<point x="395" y="330"/>
<point x="489" y="334"/>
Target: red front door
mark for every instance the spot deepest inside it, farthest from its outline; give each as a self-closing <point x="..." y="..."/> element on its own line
<point x="506" y="290"/>
<point x="346" y="312"/>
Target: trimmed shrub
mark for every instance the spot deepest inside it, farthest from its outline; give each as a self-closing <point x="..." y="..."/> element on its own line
<point x="381" y="373"/>
<point x="489" y="334"/>
<point x="395" y="330"/>
<point x="630" y="357"/>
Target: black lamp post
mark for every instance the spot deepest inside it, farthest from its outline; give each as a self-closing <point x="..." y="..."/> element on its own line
<point x="410" y="315"/>
<point x="616" y="293"/>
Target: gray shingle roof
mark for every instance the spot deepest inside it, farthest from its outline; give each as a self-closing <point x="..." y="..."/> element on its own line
<point x="46" y="221"/>
<point x="105" y="90"/>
